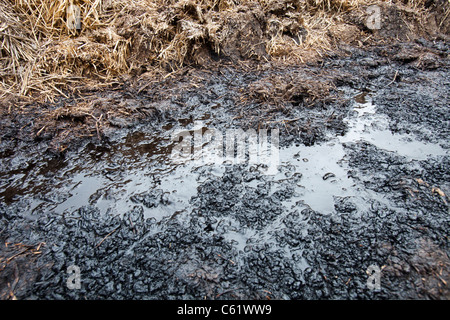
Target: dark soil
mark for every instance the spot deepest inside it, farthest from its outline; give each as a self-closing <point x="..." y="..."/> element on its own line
<point x="140" y="227"/>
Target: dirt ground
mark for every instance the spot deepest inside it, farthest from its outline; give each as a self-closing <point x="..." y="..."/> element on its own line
<point x="86" y="178"/>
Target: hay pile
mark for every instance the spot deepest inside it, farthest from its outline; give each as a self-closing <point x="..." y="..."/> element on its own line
<point x="43" y="54"/>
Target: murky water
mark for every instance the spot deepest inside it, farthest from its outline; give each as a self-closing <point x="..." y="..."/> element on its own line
<point x="254" y="215"/>
<point x="358" y="183"/>
<point x="373" y="127"/>
<point x="137" y="169"/>
<point x="324" y="168"/>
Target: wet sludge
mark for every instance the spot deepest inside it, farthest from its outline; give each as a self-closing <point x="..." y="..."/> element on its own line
<point x="353" y="189"/>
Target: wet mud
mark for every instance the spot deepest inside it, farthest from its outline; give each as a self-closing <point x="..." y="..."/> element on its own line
<point x="362" y="181"/>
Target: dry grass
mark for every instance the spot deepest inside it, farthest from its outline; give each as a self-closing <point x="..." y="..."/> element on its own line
<point x="42" y="56"/>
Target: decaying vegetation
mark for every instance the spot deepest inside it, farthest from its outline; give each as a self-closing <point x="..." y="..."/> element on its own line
<point x="43" y="55"/>
<point x="153" y="67"/>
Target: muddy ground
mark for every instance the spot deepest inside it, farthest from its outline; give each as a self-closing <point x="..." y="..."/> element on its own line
<point x="363" y="181"/>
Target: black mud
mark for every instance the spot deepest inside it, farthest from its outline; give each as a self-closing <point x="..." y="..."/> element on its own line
<point x="363" y="181"/>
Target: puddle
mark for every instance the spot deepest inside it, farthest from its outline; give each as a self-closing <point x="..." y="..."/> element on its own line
<point x="323" y="167"/>
<point x="374" y="128"/>
<point x="149" y="180"/>
<point x="223" y="228"/>
<point x="315" y="164"/>
<point x="137" y="169"/>
<point x="134" y="170"/>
